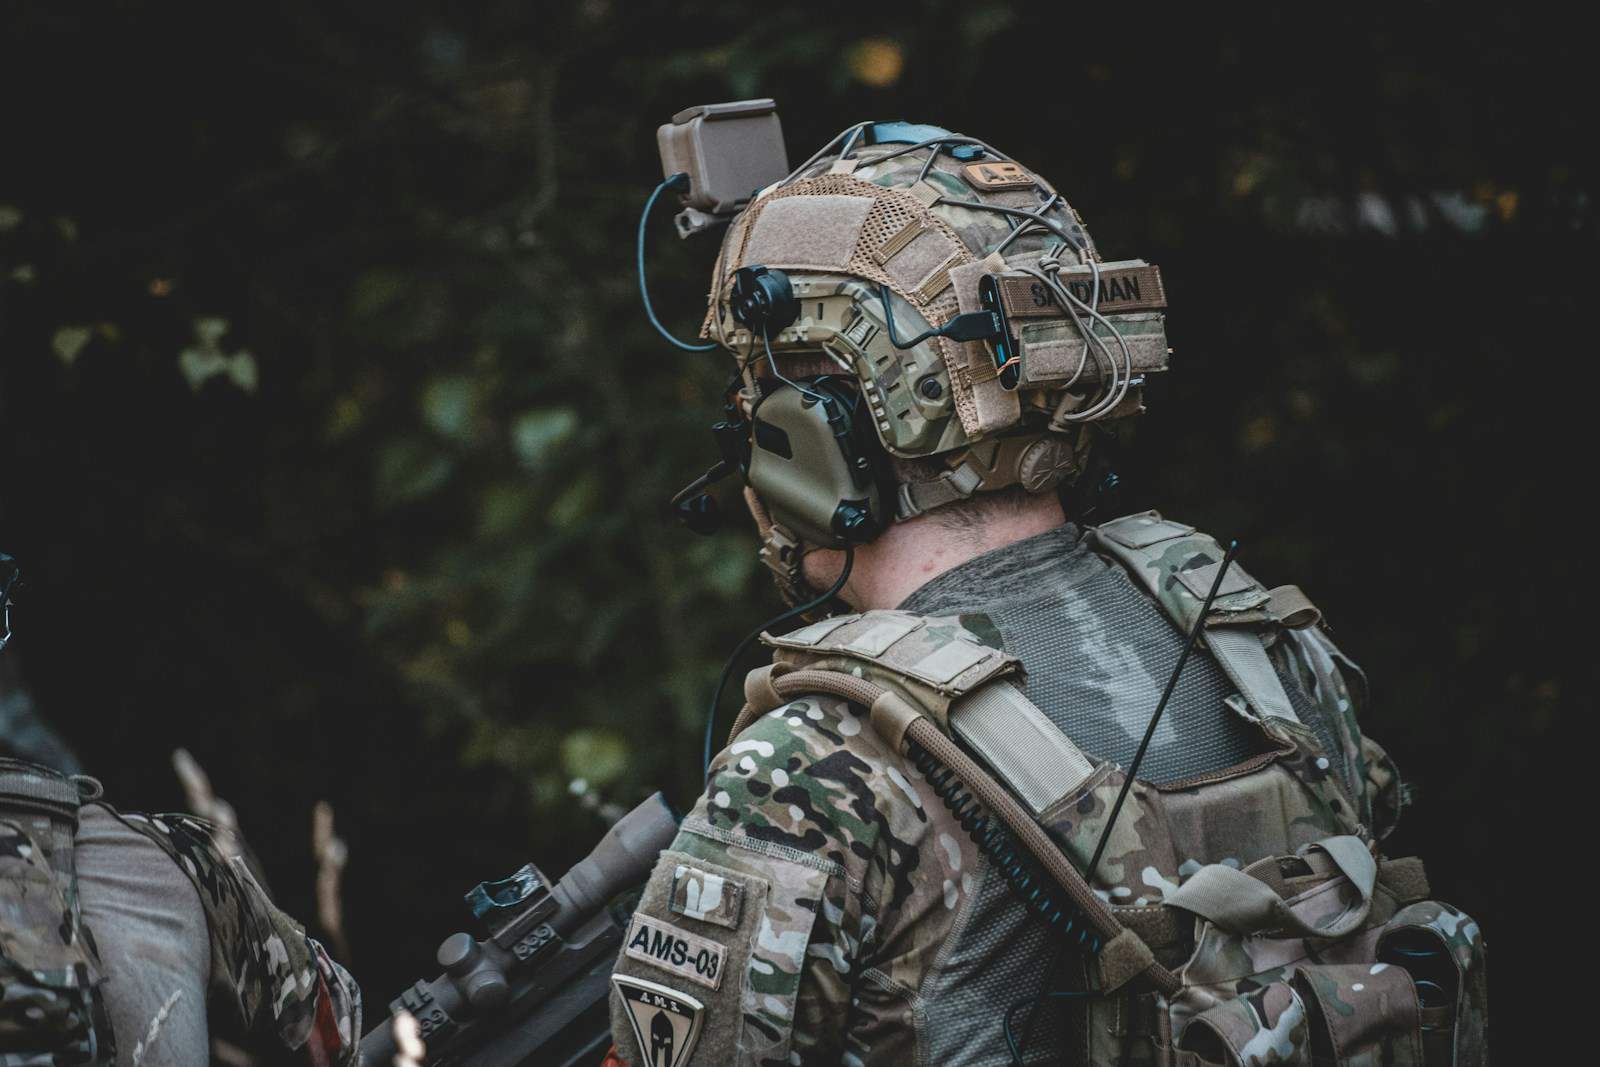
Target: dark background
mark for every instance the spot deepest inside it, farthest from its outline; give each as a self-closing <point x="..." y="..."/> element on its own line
<point x="332" y="438"/>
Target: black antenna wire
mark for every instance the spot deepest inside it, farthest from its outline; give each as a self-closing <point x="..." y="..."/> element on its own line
<point x="676" y="181"/>
<point x="727" y="668"/>
<point x="1161" y="705"/>
<point x="1016" y="1052"/>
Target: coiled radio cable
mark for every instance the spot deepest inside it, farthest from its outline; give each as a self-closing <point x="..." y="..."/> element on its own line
<point x="1030" y="885"/>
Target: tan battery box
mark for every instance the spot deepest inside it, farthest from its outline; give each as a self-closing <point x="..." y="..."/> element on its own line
<point x="729" y="152"/>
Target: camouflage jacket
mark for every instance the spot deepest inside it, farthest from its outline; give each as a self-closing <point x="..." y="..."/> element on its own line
<point x="822" y="905"/>
<point x="286" y="988"/>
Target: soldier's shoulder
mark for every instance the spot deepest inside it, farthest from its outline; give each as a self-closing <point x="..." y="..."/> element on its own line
<point x="814" y="777"/>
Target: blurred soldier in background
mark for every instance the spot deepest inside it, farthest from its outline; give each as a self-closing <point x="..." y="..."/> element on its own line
<point x="115" y="928"/>
<point x="928" y="348"/>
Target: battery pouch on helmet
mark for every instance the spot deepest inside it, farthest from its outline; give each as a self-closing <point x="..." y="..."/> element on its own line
<point x="817" y="466"/>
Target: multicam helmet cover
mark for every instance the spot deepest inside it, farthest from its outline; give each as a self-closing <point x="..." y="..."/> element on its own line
<point x="888" y="233"/>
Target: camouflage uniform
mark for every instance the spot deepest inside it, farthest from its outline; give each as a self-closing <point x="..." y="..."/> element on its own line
<point x="848" y="918"/>
<point x="288" y="991"/>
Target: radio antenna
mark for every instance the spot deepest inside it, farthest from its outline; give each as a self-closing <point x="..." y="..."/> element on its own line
<point x="1161" y="705"/>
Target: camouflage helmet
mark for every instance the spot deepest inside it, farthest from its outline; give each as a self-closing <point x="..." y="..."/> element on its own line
<point x="964" y="295"/>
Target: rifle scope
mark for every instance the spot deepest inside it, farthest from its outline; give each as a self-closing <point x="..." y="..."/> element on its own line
<point x="535" y="988"/>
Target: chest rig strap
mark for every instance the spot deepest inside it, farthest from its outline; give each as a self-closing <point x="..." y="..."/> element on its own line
<point x="965" y="686"/>
<point x="1176" y="565"/>
<point x="48" y="801"/>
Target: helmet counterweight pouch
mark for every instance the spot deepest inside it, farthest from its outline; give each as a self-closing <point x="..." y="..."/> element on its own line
<point x="729" y="151"/>
<point x="1041" y="347"/>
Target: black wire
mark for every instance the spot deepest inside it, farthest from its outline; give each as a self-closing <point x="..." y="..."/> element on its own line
<point x="727" y="668"/>
<point x="1011" y="1038"/>
<point x="677" y="181"/>
<point x="1031" y="885"/>
<point x="1105" y="835"/>
<point x="1161" y="705"/>
<point x="888" y="317"/>
<point x="1051" y="970"/>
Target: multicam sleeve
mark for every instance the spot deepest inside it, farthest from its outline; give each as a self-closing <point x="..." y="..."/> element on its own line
<point x="284" y="983"/>
<point x="754" y="924"/>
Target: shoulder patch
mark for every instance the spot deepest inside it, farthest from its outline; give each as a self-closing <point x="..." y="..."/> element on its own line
<point x="672" y="949"/>
<point x="666" y="1022"/>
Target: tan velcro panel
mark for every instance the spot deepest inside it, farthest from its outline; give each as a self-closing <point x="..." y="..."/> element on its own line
<point x="808" y="231"/>
<point x="1025" y="749"/>
<point x="1055" y="351"/>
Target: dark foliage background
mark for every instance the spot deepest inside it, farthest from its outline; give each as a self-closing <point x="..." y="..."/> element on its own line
<point x="332" y="438"/>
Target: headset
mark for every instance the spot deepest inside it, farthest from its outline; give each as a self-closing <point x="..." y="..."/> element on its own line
<point x="816" y="463"/>
<point x="807" y="447"/>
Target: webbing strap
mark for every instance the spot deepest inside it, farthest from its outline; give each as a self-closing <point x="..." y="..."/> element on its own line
<point x="38" y="788"/>
<point x="1244" y="904"/>
<point x="914" y="498"/>
<point x="1242" y="658"/>
<point x="1023" y="747"/>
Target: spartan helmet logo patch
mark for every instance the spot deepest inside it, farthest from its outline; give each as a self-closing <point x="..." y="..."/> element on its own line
<point x="666" y="1022"/>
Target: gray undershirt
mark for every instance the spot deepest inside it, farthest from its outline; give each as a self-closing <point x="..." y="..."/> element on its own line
<point x="1097" y="651"/>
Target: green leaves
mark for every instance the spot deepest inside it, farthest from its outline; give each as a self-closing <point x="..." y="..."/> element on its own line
<point x="449" y="407"/>
<point x="538" y="433"/>
<point x="600" y="757"/>
<point x="205" y="359"/>
<point x="68" y="341"/>
<point x="409" y="469"/>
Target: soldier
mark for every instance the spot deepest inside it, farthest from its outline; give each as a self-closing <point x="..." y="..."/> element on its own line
<point x="929" y="346"/>
<point x="116" y="927"/>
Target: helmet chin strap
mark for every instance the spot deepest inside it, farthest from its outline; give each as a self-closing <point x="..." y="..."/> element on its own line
<point x="784" y="556"/>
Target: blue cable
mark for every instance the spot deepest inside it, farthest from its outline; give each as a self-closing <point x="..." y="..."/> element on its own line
<point x="677" y="181"/>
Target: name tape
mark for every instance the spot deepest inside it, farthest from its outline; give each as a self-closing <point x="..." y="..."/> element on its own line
<point x="1121" y="289"/>
<point x="678" y="951"/>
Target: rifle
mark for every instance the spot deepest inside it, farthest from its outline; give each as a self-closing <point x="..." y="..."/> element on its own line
<point x="536" y="988"/>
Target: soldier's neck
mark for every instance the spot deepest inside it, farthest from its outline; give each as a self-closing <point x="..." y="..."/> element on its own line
<point x="912" y="553"/>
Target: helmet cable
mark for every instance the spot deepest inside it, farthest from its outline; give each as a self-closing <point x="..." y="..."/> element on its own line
<point x="739" y="649"/>
<point x="675" y="182"/>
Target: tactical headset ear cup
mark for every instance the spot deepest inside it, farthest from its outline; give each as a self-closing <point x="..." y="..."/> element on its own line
<point x="866" y="451"/>
<point x="818" y="466"/>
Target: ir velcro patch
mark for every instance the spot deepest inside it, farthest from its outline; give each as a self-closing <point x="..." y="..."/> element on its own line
<point x="711" y="898"/>
<point x="995" y="175"/>
<point x="677" y="951"/>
